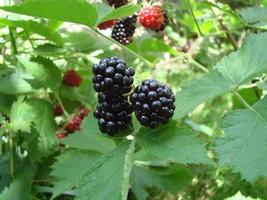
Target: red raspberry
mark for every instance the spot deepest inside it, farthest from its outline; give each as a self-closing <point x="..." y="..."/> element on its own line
<point x="61" y="135"/>
<point x="83" y="112"/>
<point x="107" y="24"/>
<point x="72" y="78"/>
<point x="152" y="17"/>
<point x="74" y="124"/>
<point x="58" y="110"/>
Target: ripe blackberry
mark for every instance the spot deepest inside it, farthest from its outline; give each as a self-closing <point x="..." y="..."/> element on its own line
<point x="154" y="18"/>
<point x="117" y="3"/>
<point x="124" y="30"/>
<point x="113" y="113"/>
<point x="153" y="103"/>
<point x="112" y="76"/>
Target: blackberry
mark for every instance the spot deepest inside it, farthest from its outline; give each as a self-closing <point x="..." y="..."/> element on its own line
<point x="123" y="30"/>
<point x="112" y="76"/>
<point x="153" y="103"/>
<point x="117" y="3"/>
<point x="113" y="113"/>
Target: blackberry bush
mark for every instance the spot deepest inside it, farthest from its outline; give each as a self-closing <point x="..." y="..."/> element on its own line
<point x="124" y="30"/>
<point x="113" y="76"/>
<point x="113" y="113"/>
<point x="153" y="103"/>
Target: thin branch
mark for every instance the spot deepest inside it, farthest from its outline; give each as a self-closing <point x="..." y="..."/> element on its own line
<point x="61" y="105"/>
<point x="13" y="43"/>
<point x="194" y="17"/>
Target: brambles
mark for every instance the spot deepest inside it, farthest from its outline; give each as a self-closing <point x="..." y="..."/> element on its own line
<point x="112" y="75"/>
<point x="72" y="78"/>
<point x="107" y="24"/>
<point x="113" y="113"/>
<point x="154" y="18"/>
<point x="124" y="30"/>
<point x="153" y="103"/>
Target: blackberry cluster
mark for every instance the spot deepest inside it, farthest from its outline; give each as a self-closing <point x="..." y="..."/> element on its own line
<point x="117" y="3"/>
<point x="123" y="30"/>
<point x="153" y="103"/>
<point x="112" y="76"/>
<point x="112" y="80"/>
<point x="113" y="113"/>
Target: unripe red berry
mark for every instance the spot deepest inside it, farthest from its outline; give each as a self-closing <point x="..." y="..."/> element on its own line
<point x="83" y="112"/>
<point x="107" y="24"/>
<point x="74" y="124"/>
<point x="61" y="135"/>
<point x="153" y="17"/>
<point x="58" y="110"/>
<point x="72" y="78"/>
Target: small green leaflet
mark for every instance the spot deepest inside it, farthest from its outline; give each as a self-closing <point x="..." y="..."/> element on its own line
<point x="108" y="172"/>
<point x="255" y="16"/>
<point x="35" y="27"/>
<point x="180" y="145"/>
<point x="70" y="167"/>
<point x="44" y="71"/>
<point x="76" y="11"/>
<point x="244" y="143"/>
<point x="232" y="71"/>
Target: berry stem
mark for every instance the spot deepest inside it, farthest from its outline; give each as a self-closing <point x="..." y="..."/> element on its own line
<point x="123" y="47"/>
<point x="13" y="43"/>
<point x="61" y="105"/>
<point x="194" y="17"/>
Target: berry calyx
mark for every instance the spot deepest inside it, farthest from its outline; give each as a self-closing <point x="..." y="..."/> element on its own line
<point x="113" y="76"/>
<point x="153" y="103"/>
<point x="72" y="78"/>
<point x="74" y="124"/>
<point x="58" y="111"/>
<point x="107" y="24"/>
<point x="153" y="17"/>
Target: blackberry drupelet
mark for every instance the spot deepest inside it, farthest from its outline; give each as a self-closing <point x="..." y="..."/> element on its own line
<point x="113" y="113"/>
<point x="124" y="30"/>
<point x="153" y="103"/>
<point x="117" y="3"/>
<point x="112" y="76"/>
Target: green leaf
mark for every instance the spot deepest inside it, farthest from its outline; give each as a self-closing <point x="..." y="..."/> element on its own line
<point x="49" y="50"/>
<point x="239" y="196"/>
<point x="13" y="83"/>
<point x="255" y="16"/>
<point x="121" y="12"/>
<point x="69" y="169"/>
<point x="232" y="71"/>
<point x="86" y="141"/>
<point x="20" y="189"/>
<point x="6" y="102"/>
<point x="35" y="27"/>
<point x="44" y="123"/>
<point x="21" y="116"/>
<point x="108" y="172"/>
<point x="172" y="179"/>
<point x="44" y="71"/>
<point x="76" y="11"/>
<point x="244" y="144"/>
<point x="180" y="145"/>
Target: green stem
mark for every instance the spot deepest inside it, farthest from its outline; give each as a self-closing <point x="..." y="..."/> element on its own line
<point x="11" y="149"/>
<point x="61" y="105"/>
<point x="28" y="37"/>
<point x="124" y="48"/>
<point x="194" y="17"/>
<point x="13" y="43"/>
